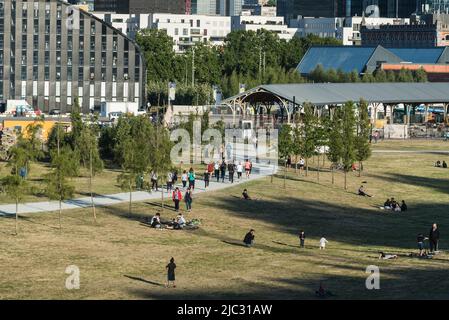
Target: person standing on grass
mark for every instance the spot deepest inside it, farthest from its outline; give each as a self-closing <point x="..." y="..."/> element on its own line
<point x="177" y="196"/>
<point x="249" y="238"/>
<point x="171" y="273"/>
<point x="434" y="238"/>
<point x="223" y="170"/>
<point x="323" y="242"/>
<point x="206" y="178"/>
<point x="217" y="171"/>
<point x="231" y="170"/>
<point x="420" y="239"/>
<point x="192" y="178"/>
<point x="301" y="165"/>
<point x="184" y="178"/>
<point x="239" y="171"/>
<point x="188" y="199"/>
<point x="302" y="238"/>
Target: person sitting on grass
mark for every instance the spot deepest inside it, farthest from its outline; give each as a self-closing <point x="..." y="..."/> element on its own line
<point x="249" y="238"/>
<point x="363" y="193"/>
<point x="438" y="164"/>
<point x="156" y="221"/>
<point x="403" y="206"/>
<point x="397" y="207"/>
<point x="384" y="256"/>
<point x="387" y="205"/>
<point x="444" y="165"/>
<point x="181" y="221"/>
<point x="245" y="195"/>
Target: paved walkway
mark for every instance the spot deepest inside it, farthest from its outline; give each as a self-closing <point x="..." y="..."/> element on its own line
<point x="113" y="199"/>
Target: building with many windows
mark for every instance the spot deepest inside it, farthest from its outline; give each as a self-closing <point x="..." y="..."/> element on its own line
<point x="51" y="53"/>
<point x="186" y="30"/>
<point x="143" y="6"/>
<point x="428" y="30"/>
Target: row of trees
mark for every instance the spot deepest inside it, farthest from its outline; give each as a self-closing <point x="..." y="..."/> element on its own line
<point x="135" y="145"/>
<point x="319" y="74"/>
<point x="344" y="131"/>
<point x="248" y="57"/>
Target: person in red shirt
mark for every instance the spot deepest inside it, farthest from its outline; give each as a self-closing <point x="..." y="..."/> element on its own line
<point x="177" y="196"/>
<point x="247" y="168"/>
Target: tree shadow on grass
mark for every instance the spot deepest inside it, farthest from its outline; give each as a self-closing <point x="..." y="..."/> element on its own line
<point x="437" y="184"/>
<point x="351" y="225"/>
<point x="395" y="283"/>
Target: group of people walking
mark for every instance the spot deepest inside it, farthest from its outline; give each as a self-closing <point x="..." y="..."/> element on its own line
<point x="218" y="171"/>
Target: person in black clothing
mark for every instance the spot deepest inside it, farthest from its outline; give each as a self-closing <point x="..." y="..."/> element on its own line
<point x="434" y="237"/>
<point x="206" y="178"/>
<point x="245" y="195"/>
<point x="231" y="170"/>
<point x="223" y="171"/>
<point x="302" y="238"/>
<point x="403" y="206"/>
<point x="249" y="238"/>
<point x="444" y="165"/>
<point x="171" y="273"/>
<point x="420" y="239"/>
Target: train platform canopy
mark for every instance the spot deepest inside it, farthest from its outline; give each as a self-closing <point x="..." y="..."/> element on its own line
<point x="321" y="94"/>
<point x="367" y="59"/>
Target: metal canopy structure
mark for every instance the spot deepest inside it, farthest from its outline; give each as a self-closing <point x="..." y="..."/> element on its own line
<point x="331" y="94"/>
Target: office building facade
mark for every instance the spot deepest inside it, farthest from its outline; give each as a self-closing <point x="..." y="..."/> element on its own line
<point x="291" y="9"/>
<point x="429" y="30"/>
<point x="51" y="53"/>
<point x="144" y="6"/>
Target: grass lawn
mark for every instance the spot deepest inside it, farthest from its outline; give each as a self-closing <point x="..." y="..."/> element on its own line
<point x="104" y="182"/>
<point x="120" y="258"/>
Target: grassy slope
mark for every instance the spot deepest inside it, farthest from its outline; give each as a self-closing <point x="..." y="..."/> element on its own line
<point x="34" y="262"/>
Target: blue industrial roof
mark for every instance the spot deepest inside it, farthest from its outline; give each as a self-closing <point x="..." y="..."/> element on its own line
<point x="418" y="55"/>
<point x="345" y="58"/>
<point x="350" y="58"/>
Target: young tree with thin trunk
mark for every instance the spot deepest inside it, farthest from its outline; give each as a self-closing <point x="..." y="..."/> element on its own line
<point x="362" y="145"/>
<point x="335" y="143"/>
<point x="133" y="150"/>
<point x="285" y="146"/>
<point x="64" y="164"/>
<point x="348" y="138"/>
<point x="309" y="134"/>
<point x="297" y="141"/>
<point x="14" y="185"/>
<point x="88" y="150"/>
